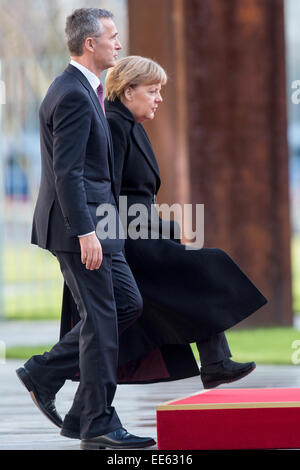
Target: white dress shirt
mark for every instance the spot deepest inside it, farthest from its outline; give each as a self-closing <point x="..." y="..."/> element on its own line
<point x="94" y="81"/>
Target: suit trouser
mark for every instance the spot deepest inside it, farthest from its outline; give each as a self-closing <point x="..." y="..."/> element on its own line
<point x="92" y="344"/>
<point x="214" y="349"/>
<point x="51" y="369"/>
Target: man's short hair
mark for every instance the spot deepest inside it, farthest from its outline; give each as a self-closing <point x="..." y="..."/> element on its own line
<point x="81" y="24"/>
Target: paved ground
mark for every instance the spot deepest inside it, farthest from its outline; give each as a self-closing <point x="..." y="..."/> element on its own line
<point x="22" y="426"/>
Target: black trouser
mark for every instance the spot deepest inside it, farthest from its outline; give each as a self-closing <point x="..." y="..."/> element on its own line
<point x="213" y="350"/>
<point x="51" y="369"/>
<point x="92" y="345"/>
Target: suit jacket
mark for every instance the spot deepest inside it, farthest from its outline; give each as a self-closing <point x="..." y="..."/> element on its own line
<point x="77" y="165"/>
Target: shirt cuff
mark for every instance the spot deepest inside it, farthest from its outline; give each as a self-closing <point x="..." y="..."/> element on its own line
<point x="85" y="234"/>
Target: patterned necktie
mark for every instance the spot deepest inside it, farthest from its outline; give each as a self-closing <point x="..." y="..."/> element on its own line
<point x="100" y="94"/>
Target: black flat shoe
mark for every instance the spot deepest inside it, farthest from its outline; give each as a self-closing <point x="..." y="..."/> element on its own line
<point x="45" y="401"/>
<point x="119" y="439"/>
<point x="225" y="372"/>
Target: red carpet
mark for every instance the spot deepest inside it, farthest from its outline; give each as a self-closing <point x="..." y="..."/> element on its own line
<point x="266" y="418"/>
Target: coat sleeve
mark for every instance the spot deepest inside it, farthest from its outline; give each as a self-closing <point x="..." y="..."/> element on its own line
<point x="71" y="130"/>
<point x="120" y="145"/>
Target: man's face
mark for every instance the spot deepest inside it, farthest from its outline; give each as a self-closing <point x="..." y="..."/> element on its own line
<point x="107" y="46"/>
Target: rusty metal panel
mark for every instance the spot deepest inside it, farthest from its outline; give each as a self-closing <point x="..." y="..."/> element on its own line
<point x="220" y="135"/>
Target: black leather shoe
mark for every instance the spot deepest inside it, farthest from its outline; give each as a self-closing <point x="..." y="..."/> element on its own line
<point x="45" y="401"/>
<point x="224" y="372"/>
<point x="119" y="439"/>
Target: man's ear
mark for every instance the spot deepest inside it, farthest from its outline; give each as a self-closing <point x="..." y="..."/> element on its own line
<point x="89" y="44"/>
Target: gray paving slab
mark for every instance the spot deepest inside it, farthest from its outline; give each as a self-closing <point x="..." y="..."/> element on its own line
<point x="23" y="427"/>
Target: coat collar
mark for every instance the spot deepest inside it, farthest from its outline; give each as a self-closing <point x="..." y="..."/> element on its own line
<point x="138" y="132"/>
<point x="118" y="107"/>
<point x="93" y="80"/>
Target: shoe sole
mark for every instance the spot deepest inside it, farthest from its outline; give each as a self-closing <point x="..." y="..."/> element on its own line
<point x="25" y="380"/>
<point x="96" y="446"/>
<point x="214" y="384"/>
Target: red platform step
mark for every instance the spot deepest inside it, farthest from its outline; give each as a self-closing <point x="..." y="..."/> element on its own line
<point x="264" y="418"/>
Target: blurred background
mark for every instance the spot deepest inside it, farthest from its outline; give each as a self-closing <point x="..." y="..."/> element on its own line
<point x="227" y="135"/>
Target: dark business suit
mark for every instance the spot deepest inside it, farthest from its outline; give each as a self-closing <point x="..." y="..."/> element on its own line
<point x="77" y="169"/>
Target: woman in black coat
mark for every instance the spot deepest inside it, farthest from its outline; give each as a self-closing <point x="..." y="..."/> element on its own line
<point x="188" y="295"/>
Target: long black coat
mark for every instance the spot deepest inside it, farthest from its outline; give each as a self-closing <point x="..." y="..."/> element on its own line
<point x="188" y="295"/>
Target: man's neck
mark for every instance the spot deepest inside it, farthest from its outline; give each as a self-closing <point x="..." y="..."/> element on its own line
<point x="88" y="64"/>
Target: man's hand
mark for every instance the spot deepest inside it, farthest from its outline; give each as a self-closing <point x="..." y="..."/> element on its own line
<point x="91" y="251"/>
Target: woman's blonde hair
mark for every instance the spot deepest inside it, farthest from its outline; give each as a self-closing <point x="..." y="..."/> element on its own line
<point x="132" y="71"/>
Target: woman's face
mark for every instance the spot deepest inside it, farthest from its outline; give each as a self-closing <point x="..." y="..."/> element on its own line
<point x="143" y="100"/>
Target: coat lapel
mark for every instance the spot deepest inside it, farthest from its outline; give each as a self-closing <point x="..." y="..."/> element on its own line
<point x="138" y="132"/>
<point x="73" y="70"/>
<point x="107" y="132"/>
<point x="102" y="117"/>
<point x="145" y="146"/>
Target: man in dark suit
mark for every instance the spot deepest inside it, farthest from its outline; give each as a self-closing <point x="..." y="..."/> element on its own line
<point x="77" y="174"/>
